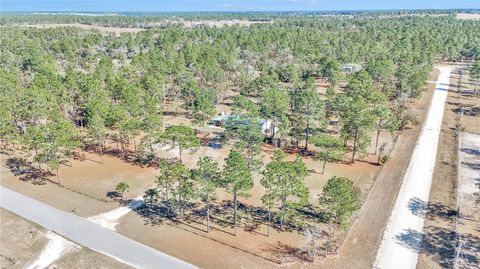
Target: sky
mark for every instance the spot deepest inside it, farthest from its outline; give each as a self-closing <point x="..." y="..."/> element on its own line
<point x="229" y="5"/>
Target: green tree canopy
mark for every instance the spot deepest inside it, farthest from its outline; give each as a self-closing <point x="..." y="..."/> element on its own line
<point x="180" y="136"/>
<point x="208" y="178"/>
<point x="339" y="199"/>
<point x="284" y="184"/>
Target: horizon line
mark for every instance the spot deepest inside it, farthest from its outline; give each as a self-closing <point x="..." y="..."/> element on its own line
<point x="243" y="11"/>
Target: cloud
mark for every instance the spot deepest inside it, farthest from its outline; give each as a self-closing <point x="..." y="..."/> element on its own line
<point x="224" y="5"/>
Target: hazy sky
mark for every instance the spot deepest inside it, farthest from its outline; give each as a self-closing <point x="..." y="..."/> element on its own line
<point x="230" y="5"/>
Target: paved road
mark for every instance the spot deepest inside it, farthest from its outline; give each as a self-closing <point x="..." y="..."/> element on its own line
<point x="88" y="234"/>
<point x="403" y="235"/>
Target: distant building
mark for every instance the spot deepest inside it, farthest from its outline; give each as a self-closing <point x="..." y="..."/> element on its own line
<point x="351" y="68"/>
<point x="224" y="119"/>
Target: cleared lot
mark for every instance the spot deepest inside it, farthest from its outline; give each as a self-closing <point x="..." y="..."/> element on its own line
<point x="468" y="177"/>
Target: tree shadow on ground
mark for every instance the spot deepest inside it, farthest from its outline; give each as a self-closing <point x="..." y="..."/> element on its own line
<point x="471" y="151"/>
<point x="439" y="210"/>
<point x="467" y="111"/>
<point x="420" y="208"/>
<point x="300" y="151"/>
<point x="157" y="214"/>
<point x="417" y="206"/>
<point x="439" y="244"/>
<point x="135" y="158"/>
<point x="286" y="253"/>
<point x="472" y="165"/>
<point x="472" y="111"/>
<point x="27" y="172"/>
<point x="250" y="218"/>
<point x="470" y="249"/>
<point x="114" y="195"/>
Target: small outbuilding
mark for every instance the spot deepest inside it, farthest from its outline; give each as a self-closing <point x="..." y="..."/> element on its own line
<point x="351" y="68"/>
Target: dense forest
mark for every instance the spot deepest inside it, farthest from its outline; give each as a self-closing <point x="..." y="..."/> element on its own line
<point x="64" y="88"/>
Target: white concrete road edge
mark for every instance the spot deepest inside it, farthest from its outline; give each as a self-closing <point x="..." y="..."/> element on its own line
<point x="87" y="233"/>
<point x="404" y="232"/>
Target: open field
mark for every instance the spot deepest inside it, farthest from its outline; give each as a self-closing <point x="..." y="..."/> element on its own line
<point x="22" y="242"/>
<point x="468" y="16"/>
<point x="105" y="29"/>
<point x="120" y="30"/>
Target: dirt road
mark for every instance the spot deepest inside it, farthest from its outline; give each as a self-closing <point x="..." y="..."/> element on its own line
<point x="403" y="236"/>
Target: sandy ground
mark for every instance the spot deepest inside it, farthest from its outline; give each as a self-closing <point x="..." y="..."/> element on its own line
<point x="117" y="30"/>
<point x="468" y="16"/>
<point x="56" y="247"/>
<point x="110" y="219"/>
<point x="439" y="221"/>
<point x="170" y="236"/>
<point x="399" y="248"/>
<point x="469" y="173"/>
<point x="120" y="30"/>
<point x="61" y="198"/>
<point x="87" y="183"/>
<point x="468" y="177"/>
<point x="22" y="243"/>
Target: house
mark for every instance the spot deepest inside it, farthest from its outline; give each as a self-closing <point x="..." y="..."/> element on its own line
<point x="351" y="68"/>
<point x="224" y="119"/>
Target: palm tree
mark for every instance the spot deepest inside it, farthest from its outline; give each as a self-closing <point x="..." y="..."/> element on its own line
<point x="122" y="187"/>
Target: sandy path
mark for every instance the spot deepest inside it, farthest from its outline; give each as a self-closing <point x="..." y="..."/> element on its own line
<point x="110" y="219"/>
<point x="403" y="235"/>
<point x="56" y="247"/>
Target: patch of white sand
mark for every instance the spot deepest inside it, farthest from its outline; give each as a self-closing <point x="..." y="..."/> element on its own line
<point x="110" y="219"/>
<point x="168" y="151"/>
<point x="55" y="248"/>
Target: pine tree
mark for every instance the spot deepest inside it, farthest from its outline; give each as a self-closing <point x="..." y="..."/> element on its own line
<point x="284" y="182"/>
<point x="238" y="179"/>
<point x="208" y="178"/>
